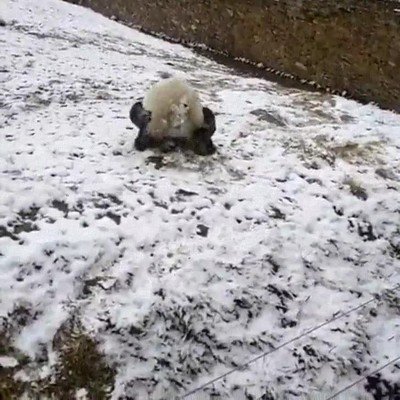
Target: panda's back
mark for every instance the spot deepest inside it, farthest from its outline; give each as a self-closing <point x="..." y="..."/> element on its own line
<point x="175" y="108"/>
<point x="165" y="94"/>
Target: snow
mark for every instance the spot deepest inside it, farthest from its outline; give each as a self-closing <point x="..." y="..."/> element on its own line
<point x="8" y="362"/>
<point x="81" y="394"/>
<point x="194" y="265"/>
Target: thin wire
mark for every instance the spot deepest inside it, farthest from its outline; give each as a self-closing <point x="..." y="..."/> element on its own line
<point x="341" y="391"/>
<point x="267" y="353"/>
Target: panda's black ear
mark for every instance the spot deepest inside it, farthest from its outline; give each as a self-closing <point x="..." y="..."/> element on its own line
<point x="138" y="115"/>
<point x="209" y="120"/>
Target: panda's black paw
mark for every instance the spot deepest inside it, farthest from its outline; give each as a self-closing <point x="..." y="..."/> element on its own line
<point x="204" y="148"/>
<point x="141" y="143"/>
<point x="212" y="149"/>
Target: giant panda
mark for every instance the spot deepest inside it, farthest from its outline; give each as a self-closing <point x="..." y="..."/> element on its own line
<point x="171" y="115"/>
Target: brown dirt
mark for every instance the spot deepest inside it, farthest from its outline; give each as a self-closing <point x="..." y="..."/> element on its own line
<point x="351" y="45"/>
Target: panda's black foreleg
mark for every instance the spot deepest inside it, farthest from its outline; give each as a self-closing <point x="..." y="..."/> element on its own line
<point x="143" y="140"/>
<point x="209" y="121"/>
<point x="201" y="140"/>
<point x="205" y="148"/>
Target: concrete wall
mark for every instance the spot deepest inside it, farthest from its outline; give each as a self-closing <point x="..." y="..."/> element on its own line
<point x="350" y="45"/>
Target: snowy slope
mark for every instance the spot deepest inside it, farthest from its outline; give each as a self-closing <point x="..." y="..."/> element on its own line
<point x="183" y="267"/>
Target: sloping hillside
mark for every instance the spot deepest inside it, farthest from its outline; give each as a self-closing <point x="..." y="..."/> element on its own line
<point x="156" y="273"/>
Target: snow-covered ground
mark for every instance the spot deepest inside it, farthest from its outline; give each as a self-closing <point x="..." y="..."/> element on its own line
<point x="184" y="267"/>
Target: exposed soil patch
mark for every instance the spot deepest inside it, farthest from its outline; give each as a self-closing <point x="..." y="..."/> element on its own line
<point x="351" y="46"/>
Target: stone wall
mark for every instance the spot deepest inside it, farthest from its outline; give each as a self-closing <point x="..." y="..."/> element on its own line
<point x="351" y="45"/>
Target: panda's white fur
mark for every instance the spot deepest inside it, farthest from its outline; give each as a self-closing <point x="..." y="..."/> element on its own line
<point x="175" y="107"/>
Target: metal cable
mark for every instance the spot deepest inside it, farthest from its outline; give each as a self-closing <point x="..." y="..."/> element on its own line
<point x="341" y="391"/>
<point x="267" y="353"/>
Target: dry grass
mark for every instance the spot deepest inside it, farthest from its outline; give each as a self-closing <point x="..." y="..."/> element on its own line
<point x="80" y="366"/>
<point x="356" y="189"/>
